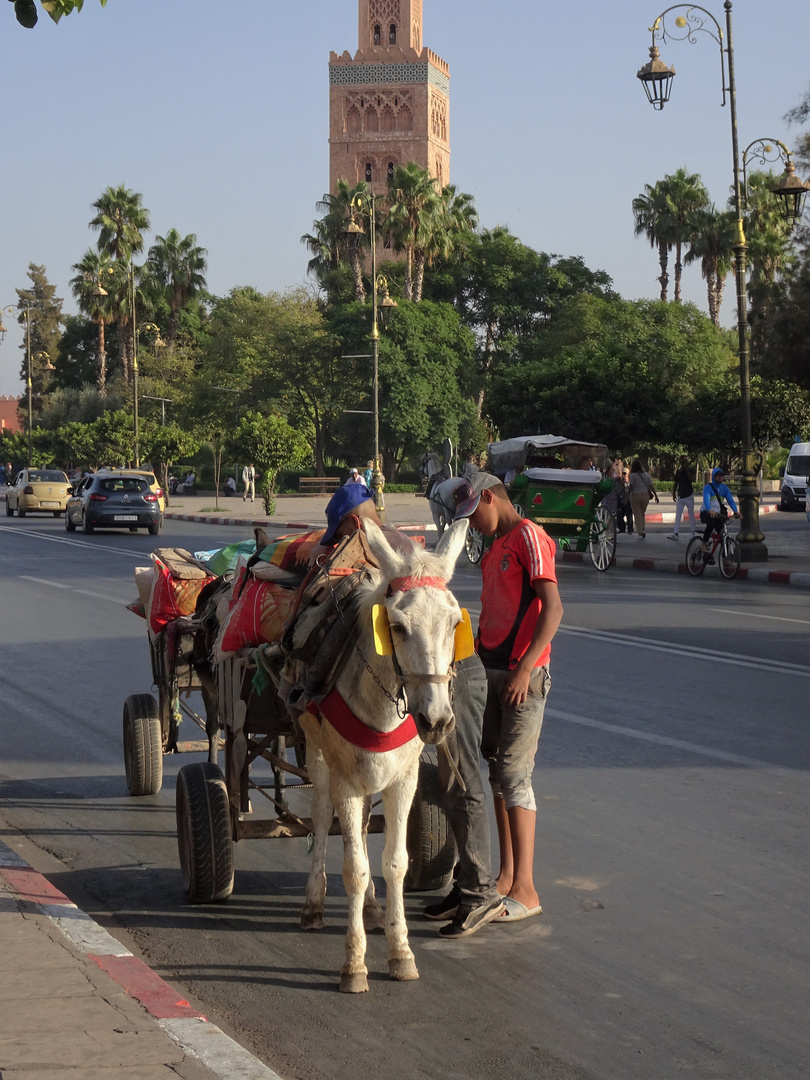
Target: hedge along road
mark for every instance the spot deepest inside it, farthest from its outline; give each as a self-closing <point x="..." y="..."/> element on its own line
<point x="670" y="840"/>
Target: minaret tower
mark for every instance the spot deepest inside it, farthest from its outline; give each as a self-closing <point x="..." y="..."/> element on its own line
<point x="390" y="103"/>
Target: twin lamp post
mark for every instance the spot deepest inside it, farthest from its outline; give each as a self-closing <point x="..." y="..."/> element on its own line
<point x="656" y="78"/>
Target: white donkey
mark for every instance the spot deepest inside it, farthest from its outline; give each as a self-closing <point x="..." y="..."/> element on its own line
<point x="366" y="736"/>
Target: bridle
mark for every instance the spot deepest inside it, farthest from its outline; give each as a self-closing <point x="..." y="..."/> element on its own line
<point x="400" y="702"/>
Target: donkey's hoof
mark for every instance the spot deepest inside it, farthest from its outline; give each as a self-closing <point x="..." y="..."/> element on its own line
<point x="353" y="982"/>
<point x="373" y="918"/>
<point x="403" y="970"/>
<point x="312" y="920"/>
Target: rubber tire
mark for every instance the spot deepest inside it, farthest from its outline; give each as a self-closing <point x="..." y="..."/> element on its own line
<point x="694" y="557"/>
<point x="474" y="546"/>
<point x="442" y="516"/>
<point x="21" y="513"/>
<point x="204" y="839"/>
<point x="57" y="513"/>
<point x="729" y="560"/>
<point x="154" y="529"/>
<point x="143" y="745"/>
<point x="431" y="847"/>
<point x="602" y="539"/>
<point x="87" y="528"/>
<point x="70" y="526"/>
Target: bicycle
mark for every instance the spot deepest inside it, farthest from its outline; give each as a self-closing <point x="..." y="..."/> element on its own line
<point x="729" y="554"/>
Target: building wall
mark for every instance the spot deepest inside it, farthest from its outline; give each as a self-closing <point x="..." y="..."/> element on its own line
<point x="9" y="420"/>
<point x="389" y="103"/>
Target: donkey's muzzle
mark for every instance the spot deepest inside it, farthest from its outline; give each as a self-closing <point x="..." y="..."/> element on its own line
<point x="434" y="731"/>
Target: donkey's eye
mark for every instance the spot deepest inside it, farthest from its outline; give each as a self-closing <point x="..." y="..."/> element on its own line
<point x="398" y="630"/>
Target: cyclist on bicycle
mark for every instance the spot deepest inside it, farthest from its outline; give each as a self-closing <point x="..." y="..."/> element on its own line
<point x="714" y="513"/>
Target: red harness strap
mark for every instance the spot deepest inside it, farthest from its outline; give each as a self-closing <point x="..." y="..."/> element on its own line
<point x="405" y="584"/>
<point x="345" y="723"/>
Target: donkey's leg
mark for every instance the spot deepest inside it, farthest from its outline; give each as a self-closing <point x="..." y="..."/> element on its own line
<point x="322" y="813"/>
<point x="397" y="801"/>
<point x="353" y="974"/>
<point x="373" y="918"/>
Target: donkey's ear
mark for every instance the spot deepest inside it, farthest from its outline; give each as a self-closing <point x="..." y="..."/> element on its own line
<point x="451" y="545"/>
<point x="388" y="560"/>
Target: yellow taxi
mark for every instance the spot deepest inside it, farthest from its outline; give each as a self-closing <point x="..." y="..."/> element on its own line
<point x="38" y="491"/>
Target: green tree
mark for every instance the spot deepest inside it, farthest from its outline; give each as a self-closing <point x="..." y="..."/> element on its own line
<point x="329" y="244"/>
<point x="46" y="330"/>
<point x="272" y="444"/>
<point x="176" y="266"/>
<point x="26" y="10"/>
<point x="166" y="444"/>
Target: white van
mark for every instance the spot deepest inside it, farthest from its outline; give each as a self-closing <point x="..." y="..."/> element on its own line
<point x="794" y="478"/>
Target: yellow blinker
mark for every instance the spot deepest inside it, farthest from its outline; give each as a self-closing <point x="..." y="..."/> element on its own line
<point x="382" y="631"/>
<point x="465" y="642"/>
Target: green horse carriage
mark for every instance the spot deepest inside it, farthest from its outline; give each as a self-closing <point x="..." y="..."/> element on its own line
<point x="558" y="483"/>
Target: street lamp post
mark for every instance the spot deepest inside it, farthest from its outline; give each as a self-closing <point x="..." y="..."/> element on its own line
<point x="656" y="79"/>
<point x="380" y="313"/>
<point x="790" y="189"/>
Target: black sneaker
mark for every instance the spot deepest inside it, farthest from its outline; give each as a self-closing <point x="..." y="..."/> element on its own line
<point x="468" y="919"/>
<point x="444" y="909"/>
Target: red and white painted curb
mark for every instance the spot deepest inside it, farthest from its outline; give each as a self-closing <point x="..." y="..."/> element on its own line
<point x="182" y="1023"/>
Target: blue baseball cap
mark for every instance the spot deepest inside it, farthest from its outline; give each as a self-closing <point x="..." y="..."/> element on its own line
<point x="345" y="499"/>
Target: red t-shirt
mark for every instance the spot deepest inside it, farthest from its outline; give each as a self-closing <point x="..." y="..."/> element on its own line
<point x="509" y="605"/>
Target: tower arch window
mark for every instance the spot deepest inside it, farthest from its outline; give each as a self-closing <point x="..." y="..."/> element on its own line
<point x="390" y="170"/>
<point x="377" y="34"/>
<point x="392" y="34"/>
<point x="368" y="172"/>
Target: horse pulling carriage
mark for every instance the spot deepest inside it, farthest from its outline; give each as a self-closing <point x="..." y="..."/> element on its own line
<point x="557" y="483"/>
<point x="357" y="686"/>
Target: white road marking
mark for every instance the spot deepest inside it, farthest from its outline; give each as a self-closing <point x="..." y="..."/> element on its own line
<point x="755" y="615"/>
<point x="693" y="652"/>
<point x="87" y="545"/>
<point x="42" y="581"/>
<point x="675" y="744"/>
<point x="100" y="596"/>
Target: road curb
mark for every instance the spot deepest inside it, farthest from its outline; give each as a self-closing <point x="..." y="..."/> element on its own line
<point x="186" y="1027"/>
<point x="755" y="574"/>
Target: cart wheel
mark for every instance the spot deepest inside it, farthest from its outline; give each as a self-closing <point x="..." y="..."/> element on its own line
<point x="474" y="545"/>
<point x="143" y="749"/>
<point x="431" y="847"/>
<point x="602" y="539"/>
<point x="729" y="557"/>
<point x="204" y="833"/>
<point x="442" y="516"/>
<point x="694" y="557"/>
<point x="519" y="509"/>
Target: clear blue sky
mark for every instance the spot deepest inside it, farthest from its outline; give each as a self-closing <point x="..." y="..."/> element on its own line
<point x="217" y="112"/>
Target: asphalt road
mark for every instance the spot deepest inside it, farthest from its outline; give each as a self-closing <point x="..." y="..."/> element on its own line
<point x="671" y="857"/>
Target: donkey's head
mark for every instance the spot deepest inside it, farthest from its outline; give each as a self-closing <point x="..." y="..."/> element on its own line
<point x="417" y="623"/>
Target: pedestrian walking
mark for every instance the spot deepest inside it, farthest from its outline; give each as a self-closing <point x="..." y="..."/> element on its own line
<point x="249" y="480"/>
<point x="683" y="495"/>
<point x="641" y="491"/>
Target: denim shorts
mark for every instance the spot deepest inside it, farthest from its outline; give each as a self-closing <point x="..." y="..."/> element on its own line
<point x="510" y="737"/>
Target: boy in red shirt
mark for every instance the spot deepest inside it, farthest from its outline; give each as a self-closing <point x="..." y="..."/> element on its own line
<point x="520" y="612"/>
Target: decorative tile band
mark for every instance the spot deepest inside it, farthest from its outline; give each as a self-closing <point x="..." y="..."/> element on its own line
<point x="375" y="74"/>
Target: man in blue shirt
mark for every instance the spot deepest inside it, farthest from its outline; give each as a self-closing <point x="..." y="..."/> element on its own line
<point x="714" y="513"/>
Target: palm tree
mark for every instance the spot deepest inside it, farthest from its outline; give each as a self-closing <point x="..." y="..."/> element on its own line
<point x="649" y="214"/>
<point x="121" y="219"/>
<point x="413" y="219"/>
<point x="329" y="241"/>
<point x="711" y="240"/>
<point x="684" y="193"/>
<point x="93" y="297"/>
<point x="176" y="265"/>
<point x="447" y="232"/>
<point x="770" y="252"/>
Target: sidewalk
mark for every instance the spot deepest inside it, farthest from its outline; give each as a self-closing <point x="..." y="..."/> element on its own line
<point x="789" y="552"/>
<point x="74" y="1002"/>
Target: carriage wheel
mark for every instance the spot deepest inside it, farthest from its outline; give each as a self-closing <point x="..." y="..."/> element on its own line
<point x="143" y="745"/>
<point x="602" y="539"/>
<point x="204" y="833"/>
<point x="474" y="545"/>
<point x="695" y="562"/>
<point x="442" y="519"/>
<point x="519" y="509"/>
<point x="431" y="847"/>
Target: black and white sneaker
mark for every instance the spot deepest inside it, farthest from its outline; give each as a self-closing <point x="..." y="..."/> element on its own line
<point x="445" y="909"/>
<point x="468" y="919"/>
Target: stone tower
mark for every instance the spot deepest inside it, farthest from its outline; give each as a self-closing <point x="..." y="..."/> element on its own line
<point x="390" y="103"/>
